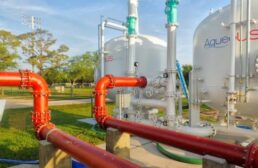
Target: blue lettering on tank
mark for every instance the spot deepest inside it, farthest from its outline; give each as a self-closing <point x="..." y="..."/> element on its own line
<point x="217" y="42"/>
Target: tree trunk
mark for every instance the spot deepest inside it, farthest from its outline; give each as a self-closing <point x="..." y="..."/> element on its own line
<point x="72" y="89"/>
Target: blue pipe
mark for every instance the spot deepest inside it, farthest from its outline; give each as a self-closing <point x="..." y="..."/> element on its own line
<point x="19" y="161"/>
<point x="182" y="79"/>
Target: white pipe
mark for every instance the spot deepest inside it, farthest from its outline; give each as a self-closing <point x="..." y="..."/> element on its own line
<point x="133" y="11"/>
<point x="231" y="88"/>
<point x="248" y="43"/>
<point x="149" y="103"/>
<point x="234" y="131"/>
<point x="171" y="71"/>
<point x="102" y="49"/>
<point x="131" y="56"/>
<point x="242" y="64"/>
<point x="203" y="131"/>
<point x="194" y="103"/>
<point x="115" y="26"/>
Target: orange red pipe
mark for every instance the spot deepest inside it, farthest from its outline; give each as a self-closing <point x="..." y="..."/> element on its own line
<point x="234" y="154"/>
<point x="87" y="154"/>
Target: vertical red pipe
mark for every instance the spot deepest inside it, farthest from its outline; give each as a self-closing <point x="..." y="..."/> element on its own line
<point x="235" y="154"/>
<point x="87" y="154"/>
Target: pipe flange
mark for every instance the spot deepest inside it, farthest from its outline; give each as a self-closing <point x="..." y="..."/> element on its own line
<point x="49" y="132"/>
<point x="40" y="93"/>
<point x="103" y="120"/>
<point x="253" y="149"/>
<point x="171" y="71"/>
<point x="170" y="94"/>
<point x="112" y="81"/>
<point x="143" y="82"/>
<point x="25" y="79"/>
<point x="100" y="92"/>
<point x="40" y="127"/>
<point x="172" y="25"/>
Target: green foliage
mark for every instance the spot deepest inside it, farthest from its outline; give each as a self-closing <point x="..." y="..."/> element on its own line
<point x="37" y="46"/>
<point x="186" y="70"/>
<point x="8" y="50"/>
<point x="81" y="68"/>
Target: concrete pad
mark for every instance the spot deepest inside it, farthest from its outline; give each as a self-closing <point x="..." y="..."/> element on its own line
<point x="144" y="153"/>
<point x="90" y="121"/>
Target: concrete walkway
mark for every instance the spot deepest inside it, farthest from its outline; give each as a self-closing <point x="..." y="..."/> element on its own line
<point x="145" y="154"/>
<point x="21" y="103"/>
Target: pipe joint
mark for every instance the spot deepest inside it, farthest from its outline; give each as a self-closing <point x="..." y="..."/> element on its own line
<point x="100" y="93"/>
<point x="171" y="94"/>
<point x="252" y="156"/>
<point x="111" y="81"/>
<point x="171" y="71"/>
<point x="49" y="126"/>
<point x="101" y="115"/>
<point x="142" y="82"/>
<point x="41" y="93"/>
<point x="25" y="79"/>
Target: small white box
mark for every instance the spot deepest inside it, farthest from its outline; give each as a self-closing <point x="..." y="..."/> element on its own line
<point x="2" y="106"/>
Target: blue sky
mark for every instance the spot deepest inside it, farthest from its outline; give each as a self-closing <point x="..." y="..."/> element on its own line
<point x="74" y="22"/>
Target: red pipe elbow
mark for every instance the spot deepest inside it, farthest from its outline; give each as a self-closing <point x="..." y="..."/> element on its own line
<point x="26" y="79"/>
<point x="108" y="82"/>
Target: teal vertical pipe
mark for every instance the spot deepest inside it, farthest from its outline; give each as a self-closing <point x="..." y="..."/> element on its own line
<point x="171" y="11"/>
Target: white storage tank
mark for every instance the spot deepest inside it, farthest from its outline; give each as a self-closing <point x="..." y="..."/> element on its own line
<point x="150" y="55"/>
<point x="212" y="51"/>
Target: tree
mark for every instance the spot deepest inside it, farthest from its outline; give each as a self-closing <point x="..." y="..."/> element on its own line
<point x="37" y="46"/>
<point x="186" y="70"/>
<point x="54" y="73"/>
<point x="81" y="68"/>
<point x="8" y="50"/>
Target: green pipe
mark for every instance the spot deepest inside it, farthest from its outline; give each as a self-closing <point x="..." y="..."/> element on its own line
<point x="131" y="23"/>
<point x="178" y="157"/>
<point x="171" y="11"/>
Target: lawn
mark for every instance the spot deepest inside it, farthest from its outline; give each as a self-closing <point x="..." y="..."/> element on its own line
<point x="15" y="92"/>
<point x="17" y="139"/>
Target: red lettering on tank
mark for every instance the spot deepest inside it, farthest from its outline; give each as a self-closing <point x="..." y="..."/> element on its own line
<point x="253" y="36"/>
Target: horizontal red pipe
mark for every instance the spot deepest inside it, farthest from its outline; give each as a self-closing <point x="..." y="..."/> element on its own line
<point x="235" y="154"/>
<point x="89" y="154"/>
<point x="85" y="153"/>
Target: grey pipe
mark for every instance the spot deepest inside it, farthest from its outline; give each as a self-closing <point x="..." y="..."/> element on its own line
<point x="248" y="44"/>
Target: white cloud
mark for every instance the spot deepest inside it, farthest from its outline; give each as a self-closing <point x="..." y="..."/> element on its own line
<point x="26" y="5"/>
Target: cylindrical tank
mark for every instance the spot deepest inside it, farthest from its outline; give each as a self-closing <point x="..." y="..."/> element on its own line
<point x="150" y="56"/>
<point x="211" y="62"/>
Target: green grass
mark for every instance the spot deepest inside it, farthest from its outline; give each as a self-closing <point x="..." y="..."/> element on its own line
<point x="17" y="138"/>
<point x="79" y="93"/>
